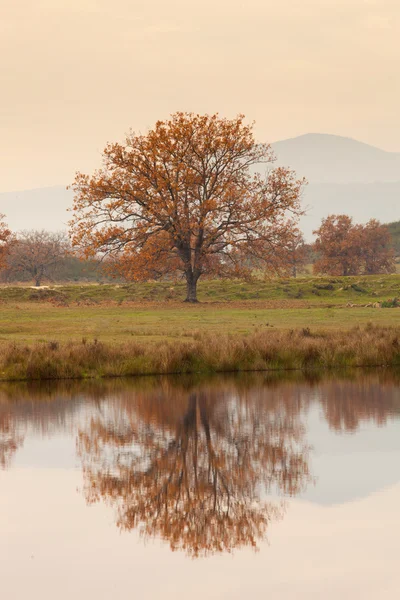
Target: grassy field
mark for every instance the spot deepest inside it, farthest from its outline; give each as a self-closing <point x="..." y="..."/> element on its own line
<point x="317" y="290"/>
<point x="154" y="311"/>
<point x="41" y="322"/>
<point x="100" y="330"/>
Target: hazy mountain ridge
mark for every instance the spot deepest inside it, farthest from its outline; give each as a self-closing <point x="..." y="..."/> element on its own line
<point x="323" y="158"/>
<point x="362" y="201"/>
<point x="345" y="176"/>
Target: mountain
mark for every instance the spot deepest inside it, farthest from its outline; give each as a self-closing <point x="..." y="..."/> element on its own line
<point x="325" y="158"/>
<point x="345" y="176"/>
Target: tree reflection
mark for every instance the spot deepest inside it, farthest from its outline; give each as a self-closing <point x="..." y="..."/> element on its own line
<point x="349" y="404"/>
<point x="42" y="408"/>
<point x="10" y="440"/>
<point x="195" y="468"/>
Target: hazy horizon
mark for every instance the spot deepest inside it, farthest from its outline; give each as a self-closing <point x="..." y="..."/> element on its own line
<point x="354" y="178"/>
<point x="277" y="142"/>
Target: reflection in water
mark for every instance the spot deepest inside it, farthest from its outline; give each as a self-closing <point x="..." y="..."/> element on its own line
<point x="348" y="404"/>
<point x="197" y="477"/>
<point x="10" y="439"/>
<point x="196" y="463"/>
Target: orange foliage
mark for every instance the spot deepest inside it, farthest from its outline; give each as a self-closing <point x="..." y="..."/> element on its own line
<point x="346" y="248"/>
<point x="194" y="468"/>
<point x="377" y="251"/>
<point x="184" y="198"/>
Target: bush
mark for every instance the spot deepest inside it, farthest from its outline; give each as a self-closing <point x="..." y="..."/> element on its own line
<point x="393" y="303"/>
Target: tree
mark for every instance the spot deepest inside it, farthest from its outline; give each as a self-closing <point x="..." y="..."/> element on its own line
<point x="345" y="248"/>
<point x="338" y="246"/>
<point x="36" y="254"/>
<point x="185" y="198"/>
<point x="298" y="252"/>
<point x="394" y="230"/>
<point x="5" y="241"/>
<point x="378" y="254"/>
<point x="194" y="468"/>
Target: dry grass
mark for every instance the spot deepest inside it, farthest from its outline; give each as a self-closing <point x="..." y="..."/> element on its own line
<point x="268" y="350"/>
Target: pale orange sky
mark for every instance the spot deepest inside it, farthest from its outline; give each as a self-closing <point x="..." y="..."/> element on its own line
<point x="75" y="74"/>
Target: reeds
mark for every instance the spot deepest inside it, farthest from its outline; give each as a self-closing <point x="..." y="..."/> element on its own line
<point x="301" y="349"/>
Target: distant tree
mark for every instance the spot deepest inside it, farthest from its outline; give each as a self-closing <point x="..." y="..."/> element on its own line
<point x="376" y="248"/>
<point x="345" y="248"/>
<point x="338" y="246"/>
<point x="185" y="198"/>
<point x="298" y="252"/>
<point x="36" y="254"/>
<point x="5" y="242"/>
<point x="394" y="230"/>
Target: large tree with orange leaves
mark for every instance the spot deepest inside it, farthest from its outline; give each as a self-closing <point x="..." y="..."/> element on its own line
<point x="185" y="197"/>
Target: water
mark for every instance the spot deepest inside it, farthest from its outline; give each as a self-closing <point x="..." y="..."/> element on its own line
<point x="230" y="487"/>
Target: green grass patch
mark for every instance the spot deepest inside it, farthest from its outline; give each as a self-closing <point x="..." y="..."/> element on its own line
<point x="317" y="290"/>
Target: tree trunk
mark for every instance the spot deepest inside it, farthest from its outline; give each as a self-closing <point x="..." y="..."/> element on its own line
<point x="191" y="287"/>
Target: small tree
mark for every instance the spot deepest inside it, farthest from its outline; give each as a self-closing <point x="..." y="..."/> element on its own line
<point x="5" y="242"/>
<point x="36" y="254"/>
<point x="298" y="253"/>
<point x="377" y="250"/>
<point x="183" y="198"/>
<point x="338" y="246"/>
<point x="345" y="248"/>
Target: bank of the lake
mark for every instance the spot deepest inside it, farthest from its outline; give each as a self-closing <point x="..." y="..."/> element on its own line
<point x="93" y="331"/>
<point x="267" y="349"/>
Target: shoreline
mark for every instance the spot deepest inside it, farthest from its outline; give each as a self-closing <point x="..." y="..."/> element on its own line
<point x="301" y="349"/>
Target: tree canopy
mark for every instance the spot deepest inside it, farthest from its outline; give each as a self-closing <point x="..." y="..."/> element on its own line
<point x="346" y="248"/>
<point x="185" y="197"/>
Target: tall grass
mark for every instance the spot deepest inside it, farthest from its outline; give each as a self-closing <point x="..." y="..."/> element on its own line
<point x="268" y="350"/>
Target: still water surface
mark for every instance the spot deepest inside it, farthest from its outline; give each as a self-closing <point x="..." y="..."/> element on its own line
<point x="230" y="487"/>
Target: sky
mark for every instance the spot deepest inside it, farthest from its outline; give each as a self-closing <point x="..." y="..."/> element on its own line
<point x="75" y="74"/>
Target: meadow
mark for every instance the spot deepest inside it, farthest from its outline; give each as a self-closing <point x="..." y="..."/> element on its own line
<point x="99" y="330"/>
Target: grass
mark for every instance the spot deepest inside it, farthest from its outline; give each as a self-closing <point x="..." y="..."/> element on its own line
<point x="118" y="330"/>
<point x="318" y="290"/>
<point x="266" y="350"/>
<point x="29" y="323"/>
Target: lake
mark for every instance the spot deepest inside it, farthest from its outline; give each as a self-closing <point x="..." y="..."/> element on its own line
<point x="251" y="486"/>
